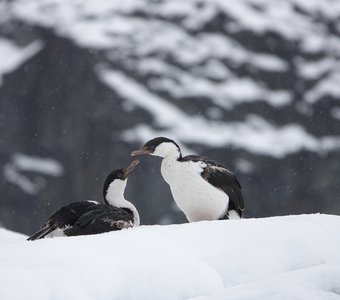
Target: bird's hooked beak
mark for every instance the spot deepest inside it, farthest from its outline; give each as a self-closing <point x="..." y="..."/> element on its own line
<point x="127" y="170"/>
<point x="143" y="151"/>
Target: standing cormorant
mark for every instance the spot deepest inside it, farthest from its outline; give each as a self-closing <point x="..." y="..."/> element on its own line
<point x="202" y="188"/>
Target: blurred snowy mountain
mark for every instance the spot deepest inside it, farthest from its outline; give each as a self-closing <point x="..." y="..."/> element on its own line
<point x="253" y="84"/>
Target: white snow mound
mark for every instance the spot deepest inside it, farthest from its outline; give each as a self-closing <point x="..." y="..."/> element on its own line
<point x="294" y="257"/>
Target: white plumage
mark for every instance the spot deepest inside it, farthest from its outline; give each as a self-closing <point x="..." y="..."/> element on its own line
<point x="202" y="189"/>
<point x="197" y="198"/>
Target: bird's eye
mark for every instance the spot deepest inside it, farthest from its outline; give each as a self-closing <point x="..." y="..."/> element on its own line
<point x="119" y="175"/>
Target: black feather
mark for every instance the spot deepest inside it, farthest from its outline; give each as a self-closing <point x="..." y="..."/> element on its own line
<point x="69" y="214"/>
<point x="104" y="218"/>
<point x="40" y="233"/>
<point x="66" y="216"/>
<point x="82" y="218"/>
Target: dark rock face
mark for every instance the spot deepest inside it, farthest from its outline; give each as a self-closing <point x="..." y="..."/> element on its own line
<point x="262" y="102"/>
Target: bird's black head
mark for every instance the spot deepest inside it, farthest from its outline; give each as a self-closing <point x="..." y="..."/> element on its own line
<point x="118" y="177"/>
<point x="159" y="146"/>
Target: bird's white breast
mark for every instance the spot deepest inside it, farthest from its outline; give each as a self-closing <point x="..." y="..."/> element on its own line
<point x="198" y="199"/>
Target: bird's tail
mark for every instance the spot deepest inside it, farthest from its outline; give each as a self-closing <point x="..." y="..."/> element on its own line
<point x="41" y="233"/>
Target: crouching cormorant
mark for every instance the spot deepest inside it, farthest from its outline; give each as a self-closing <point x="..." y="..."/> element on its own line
<point x="92" y="217"/>
<point x="202" y="188"/>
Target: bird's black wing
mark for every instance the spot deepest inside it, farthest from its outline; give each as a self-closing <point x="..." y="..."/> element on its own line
<point x="102" y="219"/>
<point x="68" y="215"/>
<point x="222" y="178"/>
<point x="204" y="159"/>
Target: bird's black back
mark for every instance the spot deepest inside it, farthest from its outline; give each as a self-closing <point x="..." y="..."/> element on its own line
<point x="197" y="158"/>
<point x="68" y="215"/>
<point x="103" y="218"/>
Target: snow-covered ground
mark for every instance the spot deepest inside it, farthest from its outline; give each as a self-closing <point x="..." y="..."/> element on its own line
<point x="294" y="257"/>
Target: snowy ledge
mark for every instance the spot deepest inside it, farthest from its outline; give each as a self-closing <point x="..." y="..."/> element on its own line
<point x="293" y="257"/>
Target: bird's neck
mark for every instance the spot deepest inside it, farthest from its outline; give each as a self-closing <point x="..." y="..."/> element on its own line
<point x="167" y="150"/>
<point x="173" y="155"/>
<point x="115" y="197"/>
<point x="134" y="210"/>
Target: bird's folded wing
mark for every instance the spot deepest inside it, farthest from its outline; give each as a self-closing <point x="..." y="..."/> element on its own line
<point x="100" y="220"/>
<point x="225" y="180"/>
